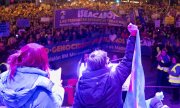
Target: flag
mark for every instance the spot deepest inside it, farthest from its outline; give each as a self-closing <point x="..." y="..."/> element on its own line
<point x="22" y="22"/>
<point x="135" y="97"/>
<point x="4" y="29"/>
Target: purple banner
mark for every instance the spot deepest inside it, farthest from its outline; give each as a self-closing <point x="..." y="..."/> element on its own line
<point x="23" y="22"/>
<point x="4" y="29"/>
<point x="70" y="49"/>
<point x="84" y="16"/>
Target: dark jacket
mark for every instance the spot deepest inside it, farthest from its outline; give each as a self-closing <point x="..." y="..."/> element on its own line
<point x="102" y="88"/>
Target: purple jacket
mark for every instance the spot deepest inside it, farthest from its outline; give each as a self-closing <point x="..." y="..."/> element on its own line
<point x="102" y="88"/>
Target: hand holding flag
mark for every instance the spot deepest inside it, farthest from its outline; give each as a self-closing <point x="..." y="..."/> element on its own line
<point x="135" y="95"/>
<point x="132" y="29"/>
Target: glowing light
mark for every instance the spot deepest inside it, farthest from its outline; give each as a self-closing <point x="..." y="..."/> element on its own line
<point x="131" y="1"/>
<point x="117" y="1"/>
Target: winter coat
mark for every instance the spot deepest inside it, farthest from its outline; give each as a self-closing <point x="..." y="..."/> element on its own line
<point x="30" y="88"/>
<point x="102" y="88"/>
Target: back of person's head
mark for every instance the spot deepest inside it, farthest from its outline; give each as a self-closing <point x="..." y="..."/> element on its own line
<point x="97" y="60"/>
<point x="163" y="52"/>
<point x="3" y="67"/>
<point x="174" y="59"/>
<point x="30" y="55"/>
<point x="11" y="41"/>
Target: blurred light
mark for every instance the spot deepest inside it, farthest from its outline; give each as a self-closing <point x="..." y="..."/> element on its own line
<point x="124" y="0"/>
<point x="68" y="0"/>
<point x="40" y="1"/>
<point x="131" y="1"/>
<point x="117" y="1"/>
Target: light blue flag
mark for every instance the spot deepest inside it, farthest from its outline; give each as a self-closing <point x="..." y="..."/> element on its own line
<point x="135" y="97"/>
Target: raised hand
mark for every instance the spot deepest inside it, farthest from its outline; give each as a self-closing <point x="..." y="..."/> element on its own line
<point x="132" y="29"/>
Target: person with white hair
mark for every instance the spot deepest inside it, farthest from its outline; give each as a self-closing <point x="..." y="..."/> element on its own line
<point x="99" y="86"/>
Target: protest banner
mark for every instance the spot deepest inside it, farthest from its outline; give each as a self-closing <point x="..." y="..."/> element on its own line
<point x="45" y="19"/>
<point x="157" y="23"/>
<point x="22" y="22"/>
<point x="4" y="29"/>
<point x="177" y="23"/>
<point x="75" y="17"/>
<point x="63" y="51"/>
<point x="169" y="20"/>
<point x="70" y="49"/>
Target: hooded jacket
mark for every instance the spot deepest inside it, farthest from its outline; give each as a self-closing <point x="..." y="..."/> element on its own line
<point x="102" y="88"/>
<point x="174" y="74"/>
<point x="30" y="88"/>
